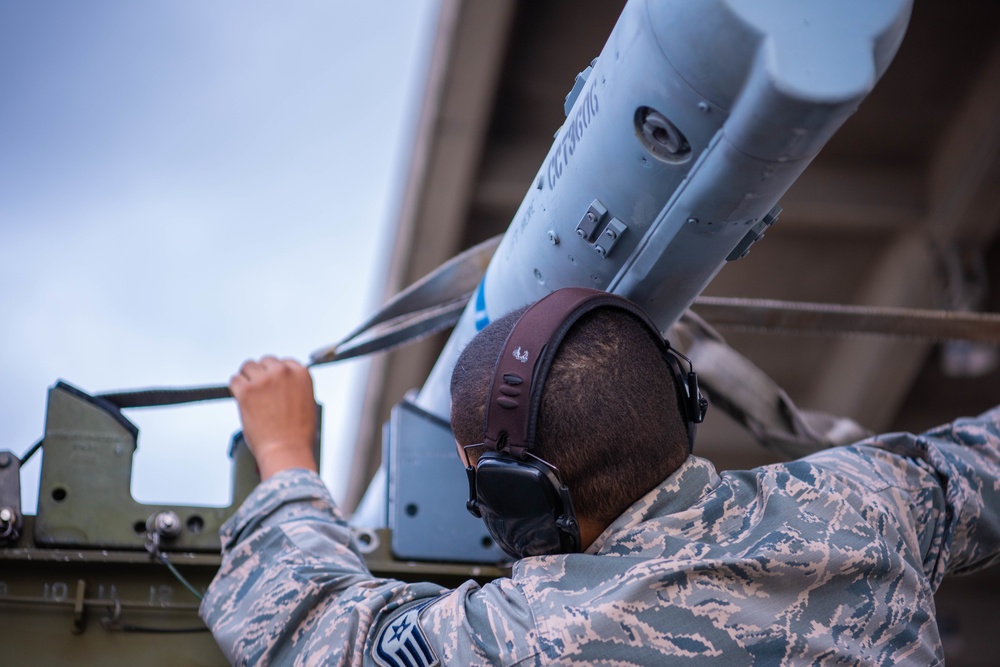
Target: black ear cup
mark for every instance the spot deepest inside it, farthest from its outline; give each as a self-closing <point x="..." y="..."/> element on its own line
<point x="526" y="508"/>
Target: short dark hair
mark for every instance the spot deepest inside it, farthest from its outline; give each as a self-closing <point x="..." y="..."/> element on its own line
<point x="609" y="418"/>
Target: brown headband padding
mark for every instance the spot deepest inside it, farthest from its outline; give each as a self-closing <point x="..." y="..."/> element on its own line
<point x="519" y="375"/>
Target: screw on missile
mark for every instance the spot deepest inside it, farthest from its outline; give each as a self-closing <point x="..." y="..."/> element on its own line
<point x="554" y="238"/>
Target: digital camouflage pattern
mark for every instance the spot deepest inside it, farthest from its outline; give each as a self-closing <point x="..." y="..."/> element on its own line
<point x="832" y="559"/>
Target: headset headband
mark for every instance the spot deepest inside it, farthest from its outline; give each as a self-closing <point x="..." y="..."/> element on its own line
<point x="521" y="370"/>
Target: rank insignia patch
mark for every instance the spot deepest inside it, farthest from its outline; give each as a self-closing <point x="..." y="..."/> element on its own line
<point x="402" y="643"/>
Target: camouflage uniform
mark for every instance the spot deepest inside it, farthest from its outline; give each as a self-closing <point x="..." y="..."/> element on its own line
<point x="832" y="559"/>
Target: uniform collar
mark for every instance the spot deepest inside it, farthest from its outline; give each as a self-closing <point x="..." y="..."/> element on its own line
<point x="677" y="493"/>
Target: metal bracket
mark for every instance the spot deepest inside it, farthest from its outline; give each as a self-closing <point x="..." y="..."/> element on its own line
<point x="85" y="497"/>
<point x="755" y="234"/>
<point x="578" y="83"/>
<point x="427" y="492"/>
<point x="586" y="229"/>
<point x="596" y="229"/>
<point x="608" y="239"/>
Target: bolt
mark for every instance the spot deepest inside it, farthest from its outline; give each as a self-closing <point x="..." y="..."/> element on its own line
<point x="5" y="459"/>
<point x="601" y="252"/>
<point x="692" y="221"/>
<point x="591" y="216"/>
<point x="579" y="232"/>
<point x="611" y="234"/>
<point x="703" y="107"/>
<point x="167" y="524"/>
<point x="553" y="237"/>
<point x="6" y="515"/>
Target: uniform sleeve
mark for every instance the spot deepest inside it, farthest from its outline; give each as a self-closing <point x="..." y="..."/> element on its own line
<point x="293" y="589"/>
<point x="966" y="457"/>
<point x="292" y="580"/>
<point x="943" y="486"/>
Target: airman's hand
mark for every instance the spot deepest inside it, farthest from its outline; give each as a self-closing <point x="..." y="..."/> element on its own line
<point x="278" y="411"/>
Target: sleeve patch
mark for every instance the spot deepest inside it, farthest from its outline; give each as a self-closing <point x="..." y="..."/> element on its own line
<point x="402" y="643"/>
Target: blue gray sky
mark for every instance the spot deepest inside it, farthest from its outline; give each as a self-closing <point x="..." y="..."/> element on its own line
<point x="187" y="184"/>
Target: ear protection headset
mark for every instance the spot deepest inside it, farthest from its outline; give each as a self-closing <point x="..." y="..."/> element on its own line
<point x="526" y="507"/>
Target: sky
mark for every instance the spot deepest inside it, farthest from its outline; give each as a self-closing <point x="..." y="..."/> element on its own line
<point x="185" y="185"/>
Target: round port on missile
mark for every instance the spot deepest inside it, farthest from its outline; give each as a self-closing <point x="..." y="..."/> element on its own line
<point x="661" y="137"/>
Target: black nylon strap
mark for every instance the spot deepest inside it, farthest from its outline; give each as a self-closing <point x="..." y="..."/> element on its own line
<point x="145" y="398"/>
<point x="406" y="331"/>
